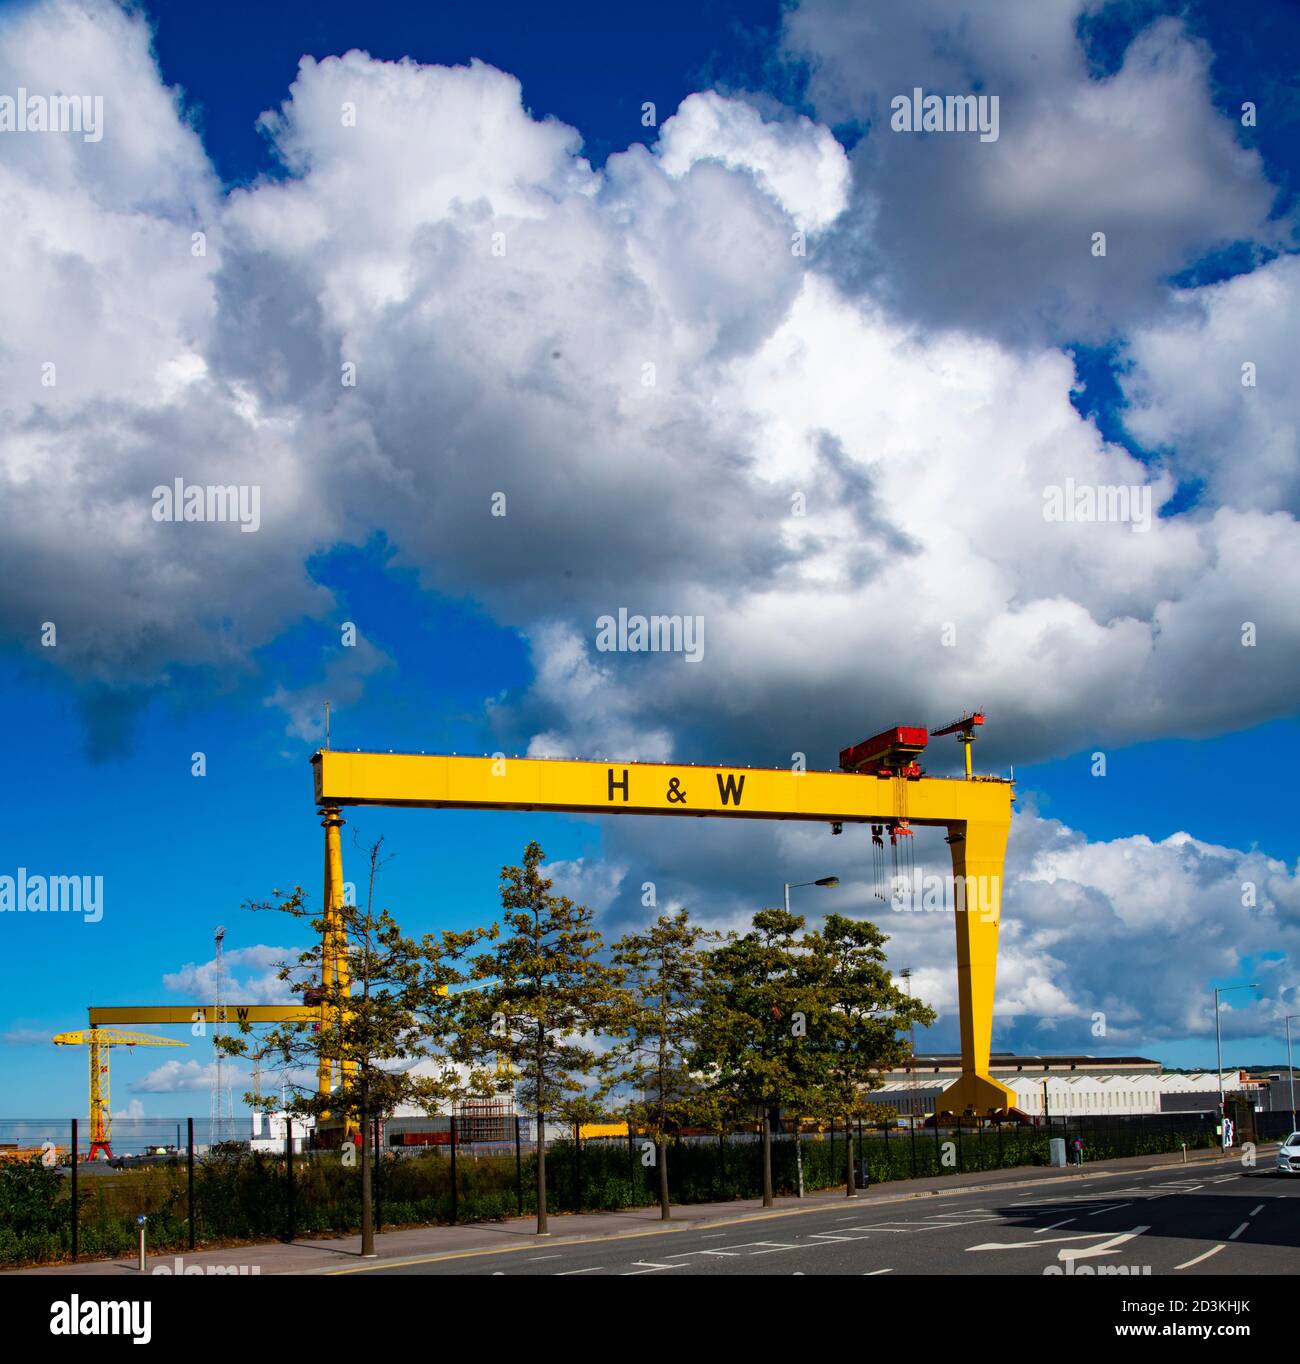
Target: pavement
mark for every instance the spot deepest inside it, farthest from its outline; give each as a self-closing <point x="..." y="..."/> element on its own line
<point x="1144" y="1215"/>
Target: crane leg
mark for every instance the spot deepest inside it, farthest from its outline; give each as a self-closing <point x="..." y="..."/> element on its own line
<point x="334" y="959"/>
<point x="331" y="899"/>
<point x="978" y="851"/>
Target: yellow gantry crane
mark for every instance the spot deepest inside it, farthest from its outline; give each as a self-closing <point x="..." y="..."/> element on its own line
<point x="880" y="784"/>
<point x="100" y="1041"/>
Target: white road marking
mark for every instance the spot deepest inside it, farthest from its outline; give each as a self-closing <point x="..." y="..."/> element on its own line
<point x="1113" y="1208"/>
<point x="544" y="1257"/>
<point x="1054" y="1225"/>
<point x="564" y="1273"/>
<point x="1255" y="1211"/>
<point x="648" y="1267"/>
<point x="965" y="1222"/>
<point x="872" y="1272"/>
<point x="1019" y="1245"/>
<point x="1187" y="1264"/>
<point x="1105" y="1248"/>
<point x="1238" y="1232"/>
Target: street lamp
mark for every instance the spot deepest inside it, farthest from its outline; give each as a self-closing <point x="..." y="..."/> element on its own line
<point x="1218" y="1044"/>
<point x="798" y="1145"/>
<point x="1290" y="1069"/>
<point x="794" y="885"/>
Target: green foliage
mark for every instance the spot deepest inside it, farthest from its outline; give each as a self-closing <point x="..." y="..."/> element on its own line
<point x="541" y="991"/>
<point x="746" y="1034"/>
<point x="854" y="1016"/>
<point x="381" y="989"/>
<point x="244" y="1198"/>
<point x="33" y="1211"/>
<point x="652" y="1059"/>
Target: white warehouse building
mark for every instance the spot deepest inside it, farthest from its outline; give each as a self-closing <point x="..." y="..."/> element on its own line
<point x="1070" y="1086"/>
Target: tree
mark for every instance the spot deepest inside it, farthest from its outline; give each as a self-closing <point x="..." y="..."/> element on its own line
<point x="854" y="1016"/>
<point x="749" y="1030"/>
<point x="377" y="1034"/>
<point x="538" y="993"/>
<point x="654" y="1054"/>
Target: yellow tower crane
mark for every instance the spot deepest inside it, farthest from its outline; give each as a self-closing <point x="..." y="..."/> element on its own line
<point x="100" y="1041"/>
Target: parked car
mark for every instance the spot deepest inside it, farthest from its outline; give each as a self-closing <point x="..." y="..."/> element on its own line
<point x="1288" y="1156"/>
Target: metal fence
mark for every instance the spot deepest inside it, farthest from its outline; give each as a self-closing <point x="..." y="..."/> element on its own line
<point x="54" y="1207"/>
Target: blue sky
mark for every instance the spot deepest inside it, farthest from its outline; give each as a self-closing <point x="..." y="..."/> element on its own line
<point x="466" y="647"/>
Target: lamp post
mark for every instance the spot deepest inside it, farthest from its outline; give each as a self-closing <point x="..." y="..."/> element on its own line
<point x="798" y="1122"/>
<point x="913" y="1105"/>
<point x="1218" y="1046"/>
<point x="794" y="885"/>
<point x="1290" y="1069"/>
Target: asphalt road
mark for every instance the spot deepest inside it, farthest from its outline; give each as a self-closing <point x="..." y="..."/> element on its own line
<point x="1161" y="1221"/>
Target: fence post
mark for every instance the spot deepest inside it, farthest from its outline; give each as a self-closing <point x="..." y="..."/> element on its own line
<point x="722" y="1166"/>
<point x="72" y="1211"/>
<point x="519" y="1169"/>
<point x="938" y="1150"/>
<point x="631" y="1167"/>
<point x="189" y="1172"/>
<point x="999" y="1146"/>
<point x="455" y="1197"/>
<point x="912" y="1126"/>
<point x="288" y="1165"/>
<point x="577" y="1167"/>
<point x="961" y="1169"/>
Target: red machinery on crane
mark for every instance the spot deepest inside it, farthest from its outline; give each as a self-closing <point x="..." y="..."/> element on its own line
<point x="965" y="730"/>
<point x="893" y="753"/>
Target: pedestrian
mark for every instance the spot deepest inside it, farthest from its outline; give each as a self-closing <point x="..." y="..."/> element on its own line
<point x="1078" y="1152"/>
